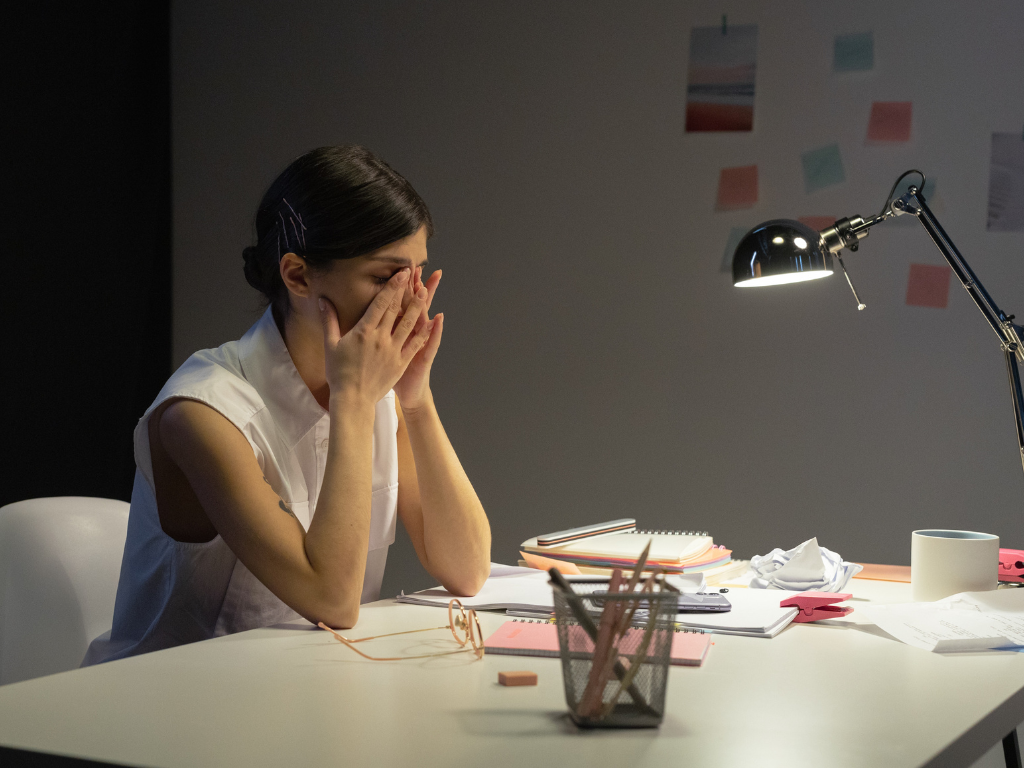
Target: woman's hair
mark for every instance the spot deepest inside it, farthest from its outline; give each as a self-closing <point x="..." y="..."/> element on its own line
<point x="331" y="203"/>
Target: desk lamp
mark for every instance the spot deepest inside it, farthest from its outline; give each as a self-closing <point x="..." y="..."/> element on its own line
<point x="784" y="251"/>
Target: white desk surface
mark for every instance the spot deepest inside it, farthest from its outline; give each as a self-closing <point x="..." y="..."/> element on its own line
<point x="839" y="695"/>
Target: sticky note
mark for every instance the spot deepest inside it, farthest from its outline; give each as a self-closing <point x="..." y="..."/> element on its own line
<point x="823" y="167"/>
<point x="818" y="222"/>
<point x="1006" y="183"/>
<point x="735" y="235"/>
<point x="737" y="188"/>
<point x="890" y="121"/>
<point x="854" y="53"/>
<point x="517" y="678"/>
<point x="928" y="286"/>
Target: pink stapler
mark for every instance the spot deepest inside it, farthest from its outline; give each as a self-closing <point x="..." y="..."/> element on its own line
<point x="1011" y="565"/>
<point x="818" y="605"/>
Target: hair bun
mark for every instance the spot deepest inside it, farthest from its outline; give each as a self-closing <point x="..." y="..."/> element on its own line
<point x="252" y="271"/>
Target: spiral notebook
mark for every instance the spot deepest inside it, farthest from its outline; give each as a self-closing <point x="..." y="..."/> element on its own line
<point x="669" y="547"/>
<point x="523" y="637"/>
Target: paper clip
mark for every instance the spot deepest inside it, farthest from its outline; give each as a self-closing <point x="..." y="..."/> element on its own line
<point x="818" y="605"/>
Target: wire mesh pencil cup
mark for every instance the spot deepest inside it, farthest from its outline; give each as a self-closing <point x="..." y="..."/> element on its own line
<point x="618" y="680"/>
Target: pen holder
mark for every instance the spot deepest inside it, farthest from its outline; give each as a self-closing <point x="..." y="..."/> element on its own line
<point x="616" y="680"/>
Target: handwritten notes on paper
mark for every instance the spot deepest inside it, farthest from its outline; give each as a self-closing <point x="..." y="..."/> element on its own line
<point x="928" y="286"/>
<point x="890" y="121"/>
<point x="737" y="188"/>
<point x="1006" y="183"/>
<point x="854" y="53"/>
<point x="823" y="167"/>
<point x="720" y="87"/>
<point x="969" y="621"/>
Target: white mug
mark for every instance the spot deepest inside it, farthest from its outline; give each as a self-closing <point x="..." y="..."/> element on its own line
<point x="943" y="563"/>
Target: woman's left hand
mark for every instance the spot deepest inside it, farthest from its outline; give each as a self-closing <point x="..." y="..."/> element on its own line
<point x="413" y="388"/>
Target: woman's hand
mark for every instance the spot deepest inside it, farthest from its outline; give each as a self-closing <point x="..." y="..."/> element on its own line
<point x="413" y="388"/>
<point x="368" y="360"/>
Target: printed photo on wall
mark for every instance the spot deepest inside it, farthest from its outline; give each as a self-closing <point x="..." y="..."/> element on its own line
<point x="720" y="88"/>
<point x="1006" y="183"/>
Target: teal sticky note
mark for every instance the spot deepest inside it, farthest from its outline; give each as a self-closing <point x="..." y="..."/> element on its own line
<point x="854" y="53"/>
<point x="735" y="235"/>
<point x="822" y="168"/>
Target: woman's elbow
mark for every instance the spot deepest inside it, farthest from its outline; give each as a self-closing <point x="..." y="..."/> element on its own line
<point x="338" y="617"/>
<point x="468" y="584"/>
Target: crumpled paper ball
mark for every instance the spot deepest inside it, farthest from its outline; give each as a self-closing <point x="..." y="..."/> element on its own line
<point x="804" y="568"/>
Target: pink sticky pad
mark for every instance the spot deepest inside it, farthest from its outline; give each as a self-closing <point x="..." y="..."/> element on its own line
<point x="890" y="121"/>
<point x="737" y="188"/>
<point x="928" y="286"/>
<point x="818" y="222"/>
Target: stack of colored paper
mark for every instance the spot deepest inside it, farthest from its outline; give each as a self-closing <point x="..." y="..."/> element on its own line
<point x="672" y="552"/>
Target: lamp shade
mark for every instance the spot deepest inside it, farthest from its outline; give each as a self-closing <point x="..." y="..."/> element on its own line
<point x="780" y="251"/>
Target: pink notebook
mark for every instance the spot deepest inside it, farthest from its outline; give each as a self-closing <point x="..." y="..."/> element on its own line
<point x="540" y="638"/>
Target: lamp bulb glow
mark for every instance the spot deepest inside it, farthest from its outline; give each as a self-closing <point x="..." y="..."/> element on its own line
<point x="789" y="277"/>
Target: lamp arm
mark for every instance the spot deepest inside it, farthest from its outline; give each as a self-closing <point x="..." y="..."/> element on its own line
<point x="1009" y="334"/>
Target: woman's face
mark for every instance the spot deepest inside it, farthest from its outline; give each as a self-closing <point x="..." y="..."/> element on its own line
<point x="351" y="284"/>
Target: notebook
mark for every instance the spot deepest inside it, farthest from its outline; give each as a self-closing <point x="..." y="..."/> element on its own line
<point x="666" y="547"/>
<point x="540" y="638"/>
<point x="755" y="613"/>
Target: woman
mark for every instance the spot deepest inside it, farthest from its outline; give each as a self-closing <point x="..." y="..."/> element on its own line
<point x="270" y="470"/>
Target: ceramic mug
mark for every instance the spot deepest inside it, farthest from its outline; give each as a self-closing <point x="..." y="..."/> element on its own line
<point x="943" y="563"/>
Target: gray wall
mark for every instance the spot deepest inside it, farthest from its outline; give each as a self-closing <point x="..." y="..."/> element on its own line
<point x="596" y="362"/>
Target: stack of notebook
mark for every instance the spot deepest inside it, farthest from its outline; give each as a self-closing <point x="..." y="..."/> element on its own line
<point x="522" y="637"/>
<point x="597" y="549"/>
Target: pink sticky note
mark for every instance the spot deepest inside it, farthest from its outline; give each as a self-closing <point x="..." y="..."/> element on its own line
<point x="818" y="222"/>
<point x="737" y="188"/>
<point x="928" y="286"/>
<point x="890" y="121"/>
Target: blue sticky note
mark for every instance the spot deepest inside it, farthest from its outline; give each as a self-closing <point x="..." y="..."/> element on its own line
<point x="854" y="53"/>
<point x="822" y="168"/>
<point x="735" y="235"/>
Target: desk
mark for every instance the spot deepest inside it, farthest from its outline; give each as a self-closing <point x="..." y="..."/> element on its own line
<point x="838" y="695"/>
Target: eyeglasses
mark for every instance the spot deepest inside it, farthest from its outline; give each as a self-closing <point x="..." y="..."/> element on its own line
<point x="464" y="624"/>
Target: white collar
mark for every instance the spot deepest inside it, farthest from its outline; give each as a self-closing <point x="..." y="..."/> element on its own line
<point x="268" y="366"/>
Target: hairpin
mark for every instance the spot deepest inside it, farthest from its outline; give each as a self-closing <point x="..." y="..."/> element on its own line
<point x="299" y="218"/>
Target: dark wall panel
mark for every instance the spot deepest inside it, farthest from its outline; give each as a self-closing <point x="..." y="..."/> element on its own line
<point x="86" y="246"/>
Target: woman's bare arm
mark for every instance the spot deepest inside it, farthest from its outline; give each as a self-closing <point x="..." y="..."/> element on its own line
<point x="438" y="506"/>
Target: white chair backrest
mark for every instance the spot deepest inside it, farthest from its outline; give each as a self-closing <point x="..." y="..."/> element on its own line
<point x="60" y="559"/>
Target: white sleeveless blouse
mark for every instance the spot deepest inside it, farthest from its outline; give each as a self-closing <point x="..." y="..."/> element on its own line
<point x="172" y="592"/>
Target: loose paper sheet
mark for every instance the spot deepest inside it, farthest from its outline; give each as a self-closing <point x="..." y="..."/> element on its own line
<point x="720" y="86"/>
<point x="970" y="621"/>
<point x="1006" y="183"/>
<point x="854" y="53"/>
<point x="823" y="167"/>
<point x="737" y="188"/>
<point x="890" y="121"/>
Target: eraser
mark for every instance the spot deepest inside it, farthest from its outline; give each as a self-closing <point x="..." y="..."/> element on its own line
<point x="517" y="678"/>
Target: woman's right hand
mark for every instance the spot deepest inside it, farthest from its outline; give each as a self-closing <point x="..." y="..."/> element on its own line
<point x="368" y="360"/>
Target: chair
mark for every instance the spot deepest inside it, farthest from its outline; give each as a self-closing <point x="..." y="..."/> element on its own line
<point x="60" y="559"/>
